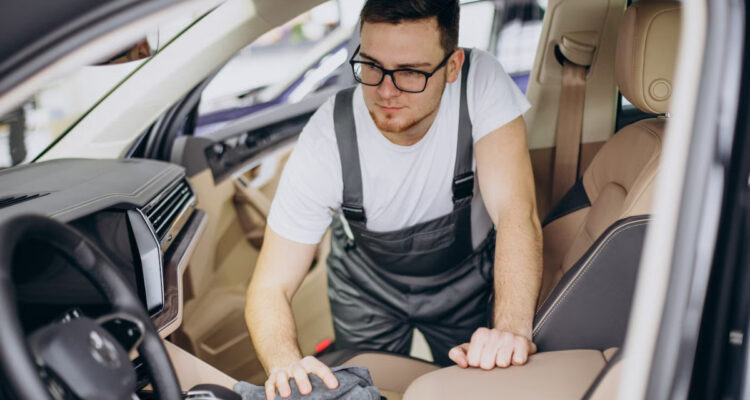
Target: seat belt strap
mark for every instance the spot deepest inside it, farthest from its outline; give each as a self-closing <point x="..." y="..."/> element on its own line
<point x="569" y="126"/>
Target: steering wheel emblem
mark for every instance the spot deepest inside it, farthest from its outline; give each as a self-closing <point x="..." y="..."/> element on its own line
<point x="103" y="351"/>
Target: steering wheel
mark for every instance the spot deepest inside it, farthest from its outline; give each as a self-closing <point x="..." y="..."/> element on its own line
<point x="77" y="358"/>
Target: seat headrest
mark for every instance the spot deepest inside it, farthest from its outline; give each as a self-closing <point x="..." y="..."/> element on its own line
<point x="647" y="53"/>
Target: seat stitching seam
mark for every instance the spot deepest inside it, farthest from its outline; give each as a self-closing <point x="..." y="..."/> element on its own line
<point x="583" y="271"/>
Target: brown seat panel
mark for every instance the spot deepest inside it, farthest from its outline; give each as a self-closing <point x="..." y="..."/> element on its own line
<point x="391" y="372"/>
<point x="553" y="375"/>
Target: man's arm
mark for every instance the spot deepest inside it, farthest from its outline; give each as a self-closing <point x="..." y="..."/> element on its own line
<point x="282" y="265"/>
<point x="507" y="185"/>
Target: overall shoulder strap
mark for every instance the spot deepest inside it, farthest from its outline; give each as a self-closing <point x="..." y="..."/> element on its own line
<point x="346" y="138"/>
<point x="463" y="175"/>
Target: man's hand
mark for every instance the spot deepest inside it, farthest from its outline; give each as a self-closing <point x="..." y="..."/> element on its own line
<point x="278" y="378"/>
<point x="490" y="348"/>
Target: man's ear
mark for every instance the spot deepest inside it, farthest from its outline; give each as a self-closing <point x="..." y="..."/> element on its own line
<point x="453" y="67"/>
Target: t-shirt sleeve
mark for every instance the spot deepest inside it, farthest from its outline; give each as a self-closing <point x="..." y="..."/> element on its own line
<point x="310" y="184"/>
<point x="493" y="98"/>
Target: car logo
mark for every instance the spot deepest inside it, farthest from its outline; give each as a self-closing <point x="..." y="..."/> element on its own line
<point x="103" y="351"/>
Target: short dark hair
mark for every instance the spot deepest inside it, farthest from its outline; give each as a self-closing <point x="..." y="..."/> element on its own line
<point x="396" y="11"/>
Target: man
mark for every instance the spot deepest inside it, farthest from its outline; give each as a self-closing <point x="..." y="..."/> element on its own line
<point x="412" y="244"/>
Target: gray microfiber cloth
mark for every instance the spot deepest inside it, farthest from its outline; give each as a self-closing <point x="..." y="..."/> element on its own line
<point x="355" y="383"/>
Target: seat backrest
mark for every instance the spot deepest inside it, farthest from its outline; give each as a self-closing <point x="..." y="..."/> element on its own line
<point x="619" y="182"/>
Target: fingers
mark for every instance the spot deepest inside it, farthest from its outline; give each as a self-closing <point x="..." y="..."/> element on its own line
<point x="270" y="389"/>
<point x="476" y="347"/>
<point x="315" y="366"/>
<point x="521" y="350"/>
<point x="490" y="348"/>
<point x="282" y="384"/>
<point x="494" y="345"/>
<point x="505" y="350"/>
<point x="303" y="382"/>
<point x="532" y="350"/>
<point x="278" y="379"/>
<point x="458" y="355"/>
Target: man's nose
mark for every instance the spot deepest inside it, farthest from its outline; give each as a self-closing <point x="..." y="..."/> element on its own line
<point x="387" y="89"/>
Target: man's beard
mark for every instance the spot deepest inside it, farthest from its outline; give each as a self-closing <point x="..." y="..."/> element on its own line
<point x="391" y="125"/>
<point x="388" y="123"/>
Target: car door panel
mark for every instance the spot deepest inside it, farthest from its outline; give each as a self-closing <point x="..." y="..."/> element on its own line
<point x="235" y="172"/>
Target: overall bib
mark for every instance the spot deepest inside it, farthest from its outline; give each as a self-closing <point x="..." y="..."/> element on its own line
<point x="382" y="285"/>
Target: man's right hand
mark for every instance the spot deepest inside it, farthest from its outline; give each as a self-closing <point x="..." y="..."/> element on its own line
<point x="278" y="377"/>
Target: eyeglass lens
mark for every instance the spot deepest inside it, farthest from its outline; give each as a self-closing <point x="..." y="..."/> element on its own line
<point x="404" y="80"/>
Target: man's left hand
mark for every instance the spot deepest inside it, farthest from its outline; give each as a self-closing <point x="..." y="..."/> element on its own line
<point x="490" y="348"/>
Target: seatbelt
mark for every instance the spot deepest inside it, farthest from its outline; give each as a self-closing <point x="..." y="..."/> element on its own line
<point x="577" y="54"/>
<point x="569" y="125"/>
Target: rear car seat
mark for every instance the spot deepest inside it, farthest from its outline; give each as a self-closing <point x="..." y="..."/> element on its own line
<point x="593" y="240"/>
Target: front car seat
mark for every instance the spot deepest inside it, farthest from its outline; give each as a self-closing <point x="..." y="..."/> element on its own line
<point x="593" y="241"/>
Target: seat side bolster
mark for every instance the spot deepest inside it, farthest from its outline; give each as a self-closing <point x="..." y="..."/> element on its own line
<point x="590" y="306"/>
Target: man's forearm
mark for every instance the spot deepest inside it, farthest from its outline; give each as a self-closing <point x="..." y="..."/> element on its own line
<point x="518" y="273"/>
<point x="272" y="330"/>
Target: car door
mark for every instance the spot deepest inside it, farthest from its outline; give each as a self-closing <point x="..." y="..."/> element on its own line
<point x="233" y="140"/>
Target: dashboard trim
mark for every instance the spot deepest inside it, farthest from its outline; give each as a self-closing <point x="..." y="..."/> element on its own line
<point x="141" y="227"/>
<point x="174" y="267"/>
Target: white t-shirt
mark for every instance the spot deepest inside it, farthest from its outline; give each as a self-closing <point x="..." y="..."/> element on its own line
<point x="402" y="185"/>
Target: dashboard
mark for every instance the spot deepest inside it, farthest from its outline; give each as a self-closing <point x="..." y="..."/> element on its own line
<point x="141" y="213"/>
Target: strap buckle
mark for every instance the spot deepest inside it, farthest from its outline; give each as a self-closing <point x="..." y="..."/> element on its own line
<point x="353" y="213"/>
<point x="463" y="186"/>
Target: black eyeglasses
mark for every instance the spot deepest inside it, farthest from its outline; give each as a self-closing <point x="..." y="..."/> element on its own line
<point x="405" y="79"/>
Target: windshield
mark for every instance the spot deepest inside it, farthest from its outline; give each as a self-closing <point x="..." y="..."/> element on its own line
<point x="34" y="126"/>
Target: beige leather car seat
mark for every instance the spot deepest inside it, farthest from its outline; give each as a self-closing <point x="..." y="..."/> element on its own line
<point x="619" y="180"/>
<point x="592" y="241"/>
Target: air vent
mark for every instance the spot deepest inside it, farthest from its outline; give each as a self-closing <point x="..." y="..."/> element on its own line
<point x="168" y="211"/>
<point x="13" y="200"/>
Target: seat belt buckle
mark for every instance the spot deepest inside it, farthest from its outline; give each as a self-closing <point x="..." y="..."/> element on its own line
<point x="463" y="186"/>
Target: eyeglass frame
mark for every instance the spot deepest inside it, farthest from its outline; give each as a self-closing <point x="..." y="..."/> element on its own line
<point x="390" y="72"/>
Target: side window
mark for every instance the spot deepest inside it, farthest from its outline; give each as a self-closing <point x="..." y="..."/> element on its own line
<point x="510" y="30"/>
<point x="283" y="66"/>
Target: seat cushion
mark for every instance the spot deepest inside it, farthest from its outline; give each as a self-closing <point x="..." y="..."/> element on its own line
<point x="553" y="375"/>
<point x="391" y="373"/>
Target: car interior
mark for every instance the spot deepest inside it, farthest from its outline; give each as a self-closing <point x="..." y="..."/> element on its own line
<point x="186" y="233"/>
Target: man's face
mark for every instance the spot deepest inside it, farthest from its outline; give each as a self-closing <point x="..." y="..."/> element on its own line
<point x="414" y="45"/>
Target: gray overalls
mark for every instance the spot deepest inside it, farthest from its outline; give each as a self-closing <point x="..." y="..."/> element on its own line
<point x="381" y="285"/>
